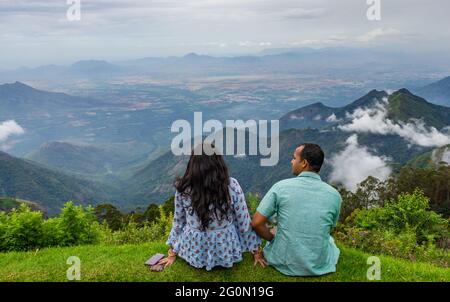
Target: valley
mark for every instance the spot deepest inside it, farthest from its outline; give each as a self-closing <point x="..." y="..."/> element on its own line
<point x="103" y="129"/>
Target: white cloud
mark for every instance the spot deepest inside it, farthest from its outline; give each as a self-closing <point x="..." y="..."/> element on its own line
<point x="377" y="33"/>
<point x="177" y="27"/>
<point x="446" y="156"/>
<point x="8" y="145"/>
<point x="296" y="117"/>
<point x="332" y="118"/>
<point x="355" y="163"/>
<point x="440" y="155"/>
<point x="373" y="120"/>
<point x="301" y="13"/>
<point x="9" y="128"/>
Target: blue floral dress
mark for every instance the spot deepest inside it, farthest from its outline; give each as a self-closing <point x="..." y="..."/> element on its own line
<point x="222" y="243"/>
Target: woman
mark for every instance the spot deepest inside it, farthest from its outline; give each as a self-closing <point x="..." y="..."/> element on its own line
<point x="211" y="225"/>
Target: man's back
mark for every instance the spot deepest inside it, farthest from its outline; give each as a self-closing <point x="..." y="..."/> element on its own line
<point x="306" y="210"/>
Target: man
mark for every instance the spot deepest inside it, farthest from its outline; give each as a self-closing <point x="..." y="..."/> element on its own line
<point x="306" y="210"/>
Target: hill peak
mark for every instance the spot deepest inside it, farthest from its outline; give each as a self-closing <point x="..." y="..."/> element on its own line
<point x="368" y="100"/>
<point x="404" y="106"/>
<point x="404" y="96"/>
<point x="191" y="55"/>
<point x="89" y="62"/>
<point x="5" y="156"/>
<point x="317" y="105"/>
<point x="16" y="86"/>
<point x="404" y="91"/>
<point x="195" y="56"/>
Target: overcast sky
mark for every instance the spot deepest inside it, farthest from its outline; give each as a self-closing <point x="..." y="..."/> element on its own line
<point x="38" y="32"/>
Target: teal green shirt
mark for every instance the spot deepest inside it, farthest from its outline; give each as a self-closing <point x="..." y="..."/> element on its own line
<point x="306" y="210"/>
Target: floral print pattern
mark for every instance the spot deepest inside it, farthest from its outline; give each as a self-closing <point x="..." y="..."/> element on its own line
<point x="222" y="243"/>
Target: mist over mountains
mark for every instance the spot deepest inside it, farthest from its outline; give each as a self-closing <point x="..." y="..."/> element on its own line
<point x="98" y="131"/>
<point x="338" y="61"/>
<point x="437" y="92"/>
<point x="374" y="135"/>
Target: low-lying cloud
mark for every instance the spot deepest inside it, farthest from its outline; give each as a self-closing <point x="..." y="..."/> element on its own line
<point x="9" y="128"/>
<point x="446" y="156"/>
<point x="373" y="120"/>
<point x="441" y="155"/>
<point x="355" y="163"/>
<point x="332" y="118"/>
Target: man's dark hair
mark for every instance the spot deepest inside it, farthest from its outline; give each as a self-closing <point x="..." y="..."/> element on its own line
<point x="314" y="155"/>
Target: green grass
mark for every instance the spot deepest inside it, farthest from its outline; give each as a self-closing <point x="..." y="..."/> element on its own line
<point x="126" y="263"/>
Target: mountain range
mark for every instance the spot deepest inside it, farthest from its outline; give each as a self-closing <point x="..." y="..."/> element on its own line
<point x="437" y="92"/>
<point x="19" y="99"/>
<point x="402" y="107"/>
<point x="339" y="60"/>
<point x="24" y="179"/>
<point x="431" y="159"/>
<point x="59" y="171"/>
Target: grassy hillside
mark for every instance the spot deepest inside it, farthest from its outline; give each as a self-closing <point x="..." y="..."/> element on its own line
<point x="126" y="263"/>
<point x="19" y="99"/>
<point x="154" y="182"/>
<point x="316" y="115"/>
<point x="431" y="159"/>
<point x="99" y="162"/>
<point x="7" y="204"/>
<point x="404" y="106"/>
<point x="50" y="189"/>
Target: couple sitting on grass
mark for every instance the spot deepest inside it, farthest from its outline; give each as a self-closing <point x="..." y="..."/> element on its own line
<point x="212" y="226"/>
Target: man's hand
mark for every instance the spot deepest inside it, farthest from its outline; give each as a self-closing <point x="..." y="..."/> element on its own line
<point x="273" y="231"/>
<point x="259" y="225"/>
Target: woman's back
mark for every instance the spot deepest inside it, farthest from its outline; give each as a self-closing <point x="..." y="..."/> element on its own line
<point x="225" y="238"/>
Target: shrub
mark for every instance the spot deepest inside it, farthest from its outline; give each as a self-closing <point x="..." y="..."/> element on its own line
<point x="109" y="213"/>
<point x="52" y="233"/>
<point x="253" y="201"/>
<point x="404" y="227"/>
<point x="21" y="230"/>
<point x="135" y="233"/>
<point x="77" y="225"/>
<point x="3" y="221"/>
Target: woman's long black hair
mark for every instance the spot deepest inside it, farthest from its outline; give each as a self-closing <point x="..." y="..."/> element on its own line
<point x="206" y="182"/>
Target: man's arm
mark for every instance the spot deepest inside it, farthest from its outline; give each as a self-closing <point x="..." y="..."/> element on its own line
<point x="259" y="224"/>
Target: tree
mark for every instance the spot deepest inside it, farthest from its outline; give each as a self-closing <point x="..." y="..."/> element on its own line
<point x="110" y="214"/>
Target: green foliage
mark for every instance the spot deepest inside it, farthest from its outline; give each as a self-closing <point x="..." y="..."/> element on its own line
<point x="30" y="181"/>
<point x="7" y="204"/>
<point x="117" y="220"/>
<point x="434" y="182"/>
<point x="52" y="232"/>
<point x="369" y="193"/>
<point x="109" y="214"/>
<point x="134" y="232"/>
<point x="23" y="229"/>
<point x="152" y="212"/>
<point x="253" y="201"/>
<point x="165" y="221"/>
<point x="77" y="226"/>
<point x="404" y="227"/>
